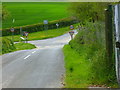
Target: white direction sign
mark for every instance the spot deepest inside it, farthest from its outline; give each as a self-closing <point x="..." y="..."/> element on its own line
<point x="57" y="24"/>
<point x="45" y="21"/>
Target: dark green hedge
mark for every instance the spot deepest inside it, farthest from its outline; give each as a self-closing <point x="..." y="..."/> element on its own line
<point x="39" y="26"/>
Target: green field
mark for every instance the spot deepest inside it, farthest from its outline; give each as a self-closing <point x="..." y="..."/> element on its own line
<point x="26" y="13"/>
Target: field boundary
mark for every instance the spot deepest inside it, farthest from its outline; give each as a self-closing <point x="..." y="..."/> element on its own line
<point x="40" y="26"/>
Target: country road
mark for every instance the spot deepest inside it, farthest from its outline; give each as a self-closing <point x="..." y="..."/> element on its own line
<point x="42" y="67"/>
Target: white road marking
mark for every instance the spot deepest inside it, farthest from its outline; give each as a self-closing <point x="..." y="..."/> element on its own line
<point x="26" y="56"/>
<point x="33" y="51"/>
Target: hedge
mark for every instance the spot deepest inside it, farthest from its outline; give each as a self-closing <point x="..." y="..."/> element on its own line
<point x="39" y="26"/>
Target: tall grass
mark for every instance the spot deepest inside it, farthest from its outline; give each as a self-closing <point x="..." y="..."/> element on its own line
<point x="90" y="44"/>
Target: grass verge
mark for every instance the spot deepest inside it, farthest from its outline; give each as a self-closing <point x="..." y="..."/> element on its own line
<point x="77" y="68"/>
<point x="86" y="61"/>
<point x="8" y="46"/>
<point x="24" y="46"/>
<point x="82" y="72"/>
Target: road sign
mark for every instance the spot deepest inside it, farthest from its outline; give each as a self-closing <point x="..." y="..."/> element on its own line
<point x="12" y="29"/>
<point x="26" y="34"/>
<point x="22" y="38"/>
<point x="45" y="21"/>
<point x="71" y="34"/>
<point x="71" y="27"/>
<point x="57" y="24"/>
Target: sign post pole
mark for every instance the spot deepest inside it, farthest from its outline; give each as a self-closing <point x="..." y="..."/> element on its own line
<point x="71" y="32"/>
<point x="57" y="25"/>
<point x="12" y="30"/>
<point x="26" y="35"/>
<point x="46" y="24"/>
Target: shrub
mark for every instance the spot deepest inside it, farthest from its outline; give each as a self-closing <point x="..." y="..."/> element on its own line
<point x="7" y="45"/>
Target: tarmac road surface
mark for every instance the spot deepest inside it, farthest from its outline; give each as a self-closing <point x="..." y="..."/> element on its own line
<point x="42" y="67"/>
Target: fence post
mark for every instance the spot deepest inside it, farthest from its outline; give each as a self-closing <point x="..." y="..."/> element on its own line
<point x="109" y="33"/>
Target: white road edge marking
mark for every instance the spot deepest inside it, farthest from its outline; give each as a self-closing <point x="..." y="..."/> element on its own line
<point x="33" y="51"/>
<point x="26" y="56"/>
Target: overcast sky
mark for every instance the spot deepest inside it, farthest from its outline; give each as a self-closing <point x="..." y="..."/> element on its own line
<point x="59" y="0"/>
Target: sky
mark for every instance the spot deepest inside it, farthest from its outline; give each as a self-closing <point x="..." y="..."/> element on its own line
<point x="59" y="0"/>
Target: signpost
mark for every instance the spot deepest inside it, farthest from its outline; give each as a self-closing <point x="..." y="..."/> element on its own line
<point x="71" y="27"/>
<point x="57" y="25"/>
<point x="21" y="31"/>
<point x="71" y="32"/>
<point x="12" y="30"/>
<point x="26" y="35"/>
<point x="46" y="24"/>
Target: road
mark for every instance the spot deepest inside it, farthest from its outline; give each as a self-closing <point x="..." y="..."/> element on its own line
<point x="42" y="67"/>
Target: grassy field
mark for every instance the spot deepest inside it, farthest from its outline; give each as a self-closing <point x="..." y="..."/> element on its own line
<point x="26" y="13"/>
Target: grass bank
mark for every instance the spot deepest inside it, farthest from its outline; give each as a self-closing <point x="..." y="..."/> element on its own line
<point x="77" y="68"/>
<point x="86" y="62"/>
<point x="24" y="46"/>
<point x="8" y="46"/>
<point x="43" y="34"/>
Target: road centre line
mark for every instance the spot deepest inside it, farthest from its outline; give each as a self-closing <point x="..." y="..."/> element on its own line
<point x="27" y="56"/>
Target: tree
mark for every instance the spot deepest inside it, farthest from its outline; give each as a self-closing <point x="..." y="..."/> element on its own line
<point x="5" y="13"/>
<point x="91" y="11"/>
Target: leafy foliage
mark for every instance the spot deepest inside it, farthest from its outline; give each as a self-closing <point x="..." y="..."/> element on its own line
<point x="5" y="13"/>
<point x="89" y="45"/>
<point x="7" y="45"/>
<point x="92" y="11"/>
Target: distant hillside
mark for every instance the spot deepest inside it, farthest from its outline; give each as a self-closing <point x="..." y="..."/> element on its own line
<point x="26" y="13"/>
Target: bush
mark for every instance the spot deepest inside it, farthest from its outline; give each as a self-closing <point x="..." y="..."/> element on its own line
<point x="39" y="26"/>
<point x="7" y="45"/>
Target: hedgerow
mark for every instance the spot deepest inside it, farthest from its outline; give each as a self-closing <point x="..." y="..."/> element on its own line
<point x="39" y="27"/>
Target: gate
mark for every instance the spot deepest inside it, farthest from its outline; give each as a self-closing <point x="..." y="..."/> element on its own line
<point x="117" y="39"/>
